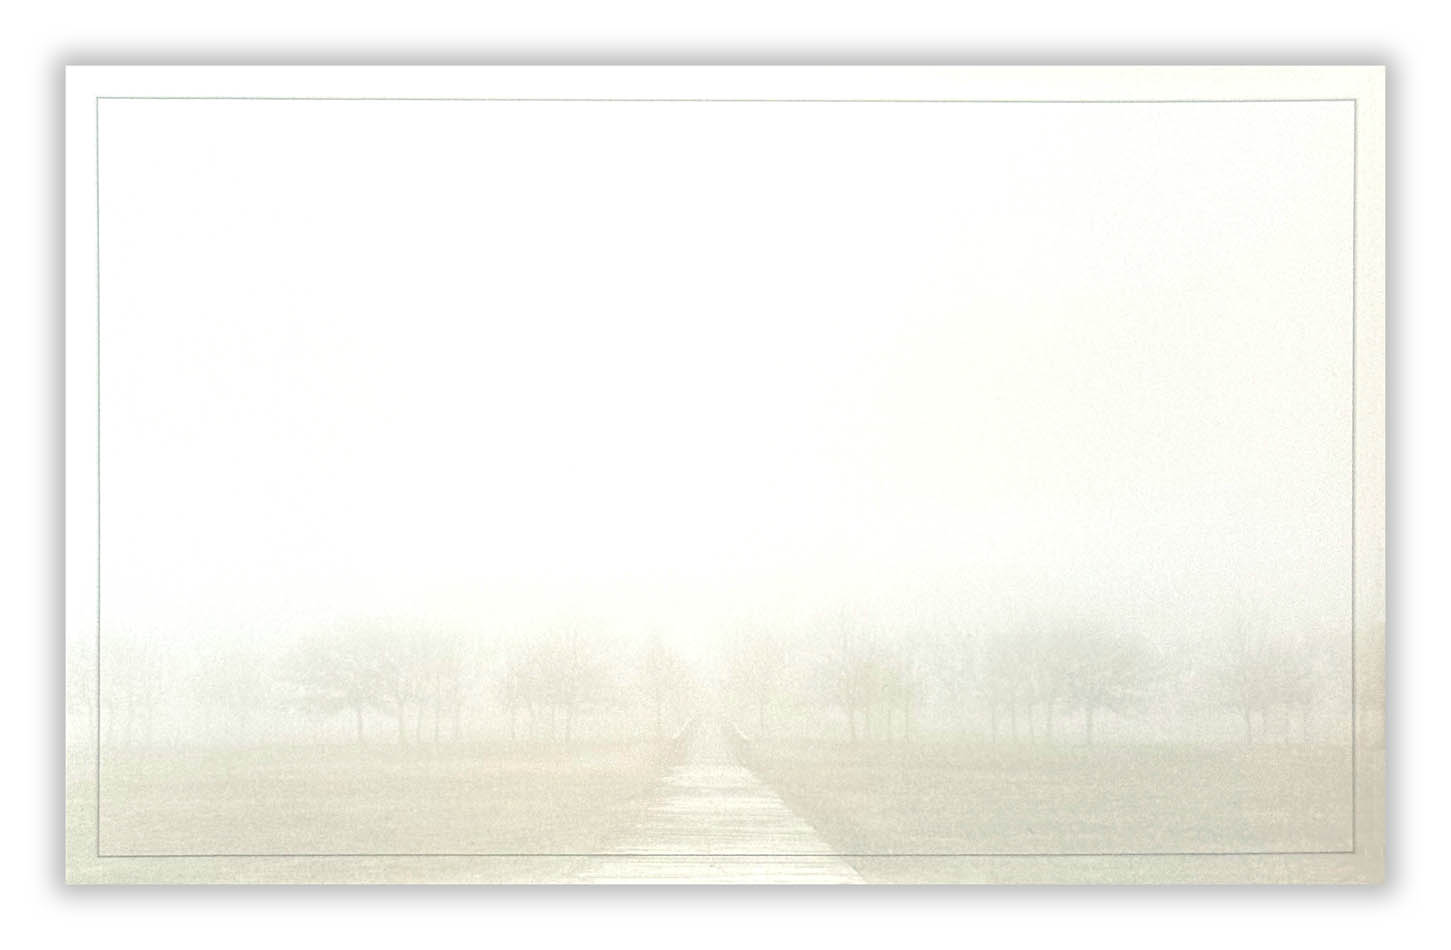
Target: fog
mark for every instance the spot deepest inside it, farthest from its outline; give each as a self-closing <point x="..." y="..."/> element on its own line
<point x="493" y="425"/>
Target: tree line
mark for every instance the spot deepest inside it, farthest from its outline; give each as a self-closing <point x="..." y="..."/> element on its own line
<point x="1050" y="681"/>
<point x="425" y="687"/>
<point x="1044" y="682"/>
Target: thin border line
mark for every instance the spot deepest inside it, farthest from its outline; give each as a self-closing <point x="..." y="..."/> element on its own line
<point x="740" y="854"/>
<point x="1354" y="776"/>
<point x="1354" y="409"/>
<point x="1085" y="102"/>
<point x="97" y="105"/>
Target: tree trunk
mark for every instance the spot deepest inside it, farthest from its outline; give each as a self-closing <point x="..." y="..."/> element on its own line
<point x="402" y="717"/>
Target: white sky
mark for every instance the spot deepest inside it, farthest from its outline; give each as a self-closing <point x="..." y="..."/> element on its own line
<point x="683" y="365"/>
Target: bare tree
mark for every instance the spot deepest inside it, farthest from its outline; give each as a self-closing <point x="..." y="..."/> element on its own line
<point x="1302" y="665"/>
<point x="236" y="685"/>
<point x="1104" y="671"/>
<point x="662" y="677"/>
<point x="1004" y="681"/>
<point x="902" y="672"/>
<point x="1264" y="673"/>
<point x="451" y="675"/>
<point x="756" y="666"/>
<point x="569" y="677"/>
<point x="849" y="673"/>
<point x="956" y="671"/>
<point x="336" y="672"/>
<point x="520" y="688"/>
<point x="132" y="670"/>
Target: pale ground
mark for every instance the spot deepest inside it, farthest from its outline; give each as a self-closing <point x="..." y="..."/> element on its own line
<point x="707" y="808"/>
<point x="979" y="799"/>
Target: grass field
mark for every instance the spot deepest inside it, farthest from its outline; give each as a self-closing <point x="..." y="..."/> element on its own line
<point x="866" y="798"/>
<point x="964" y="799"/>
<point x="282" y="800"/>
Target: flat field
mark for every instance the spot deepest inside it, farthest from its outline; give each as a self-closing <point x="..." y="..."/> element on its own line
<point x="286" y="800"/>
<point x="983" y="799"/>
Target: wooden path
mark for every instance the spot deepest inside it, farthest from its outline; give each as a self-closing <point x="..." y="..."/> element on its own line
<point x="712" y="821"/>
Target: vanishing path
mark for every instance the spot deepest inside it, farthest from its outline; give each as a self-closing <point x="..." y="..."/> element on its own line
<point x="713" y="822"/>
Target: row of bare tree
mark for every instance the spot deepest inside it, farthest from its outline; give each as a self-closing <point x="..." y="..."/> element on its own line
<point x="372" y="669"/>
<point x="421" y="682"/>
<point x="1032" y="683"/>
<point x="552" y="682"/>
<point x="1040" y="683"/>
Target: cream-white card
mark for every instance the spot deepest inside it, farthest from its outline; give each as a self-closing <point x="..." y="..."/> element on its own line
<point x="725" y="474"/>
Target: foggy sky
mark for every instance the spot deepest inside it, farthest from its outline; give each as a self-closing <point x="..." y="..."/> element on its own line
<point x="690" y="366"/>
